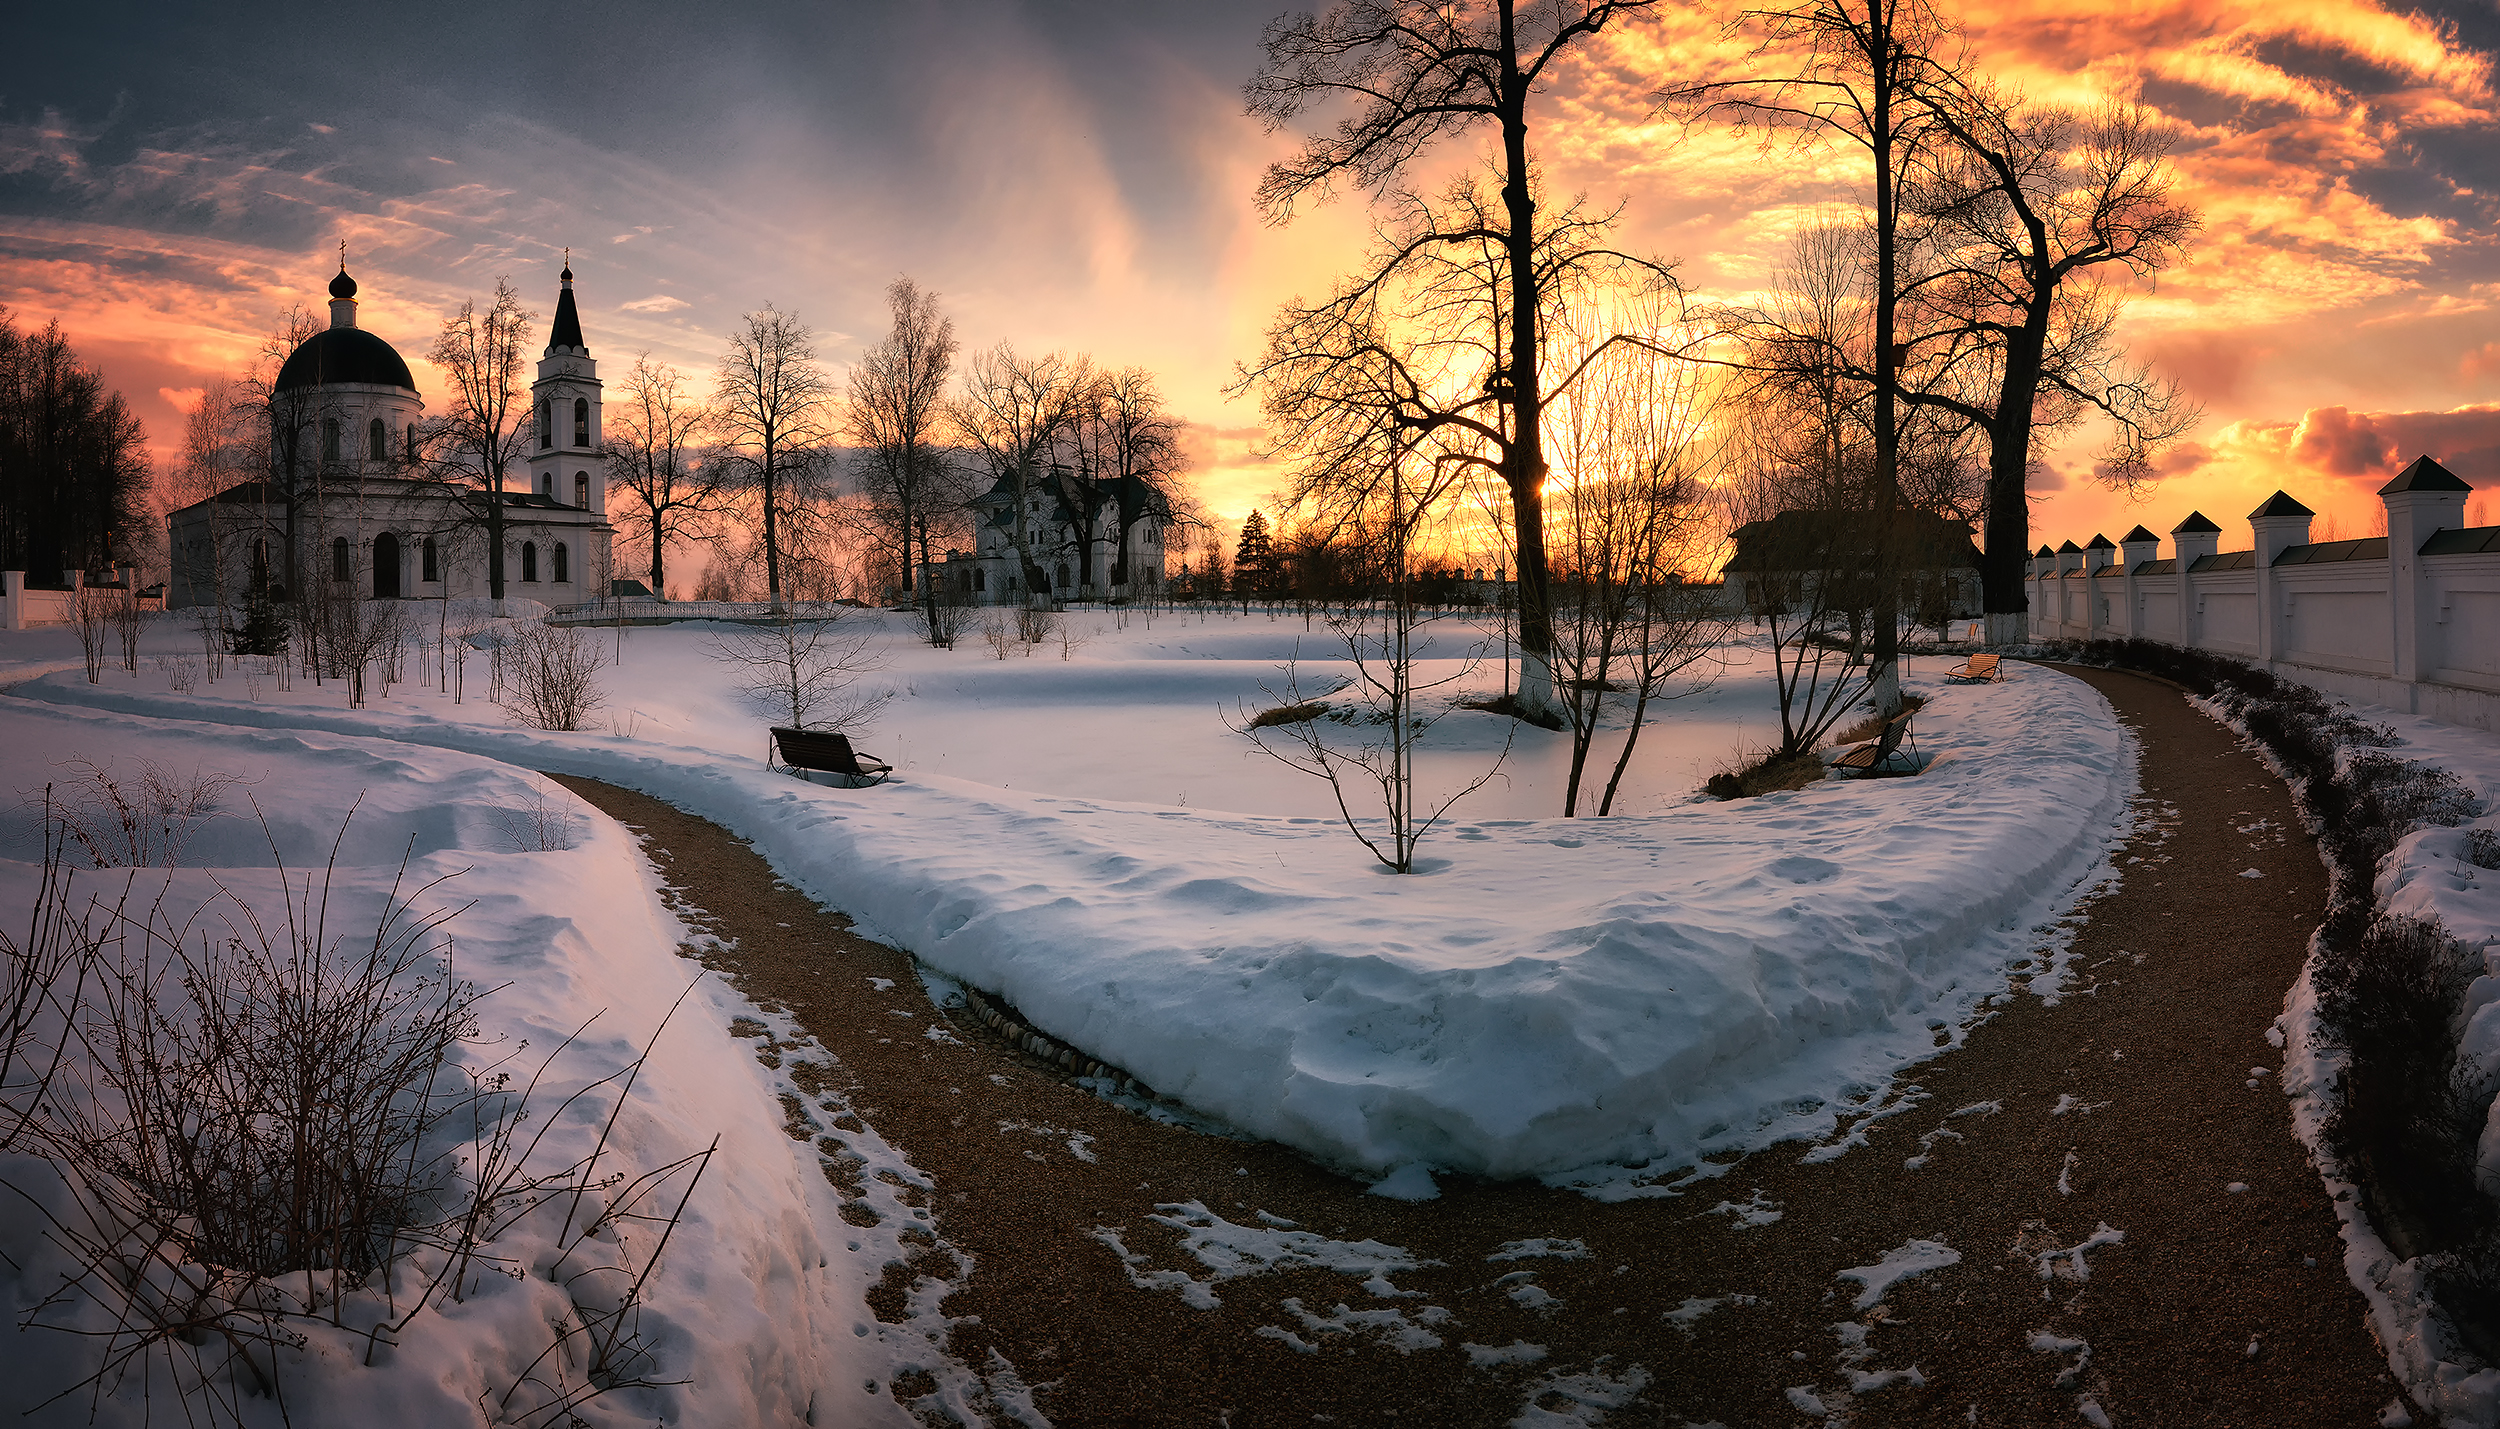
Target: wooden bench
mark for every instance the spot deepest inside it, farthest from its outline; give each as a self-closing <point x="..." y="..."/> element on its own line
<point x="1868" y="757"/>
<point x="1977" y="667"/>
<point x="827" y="752"/>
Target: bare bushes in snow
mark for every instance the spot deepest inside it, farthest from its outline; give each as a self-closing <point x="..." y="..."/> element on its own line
<point x="248" y="1147"/>
<point x="141" y="822"/>
<point x="550" y="676"/>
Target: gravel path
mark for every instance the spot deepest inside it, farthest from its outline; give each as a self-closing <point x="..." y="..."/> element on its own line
<point x="2115" y="1221"/>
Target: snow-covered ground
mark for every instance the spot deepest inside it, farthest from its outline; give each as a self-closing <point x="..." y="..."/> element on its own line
<point x="757" y="1302"/>
<point x="1085" y="837"/>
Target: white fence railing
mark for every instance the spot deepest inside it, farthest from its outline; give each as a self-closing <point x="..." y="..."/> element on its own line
<point x="648" y="610"/>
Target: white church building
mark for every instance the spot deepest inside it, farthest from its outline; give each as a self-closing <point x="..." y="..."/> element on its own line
<point x="351" y="505"/>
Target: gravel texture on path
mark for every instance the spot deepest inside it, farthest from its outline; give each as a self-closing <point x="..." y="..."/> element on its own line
<point x="2094" y="1212"/>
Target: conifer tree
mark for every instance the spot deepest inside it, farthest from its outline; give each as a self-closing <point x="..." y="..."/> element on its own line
<point x="1254" y="561"/>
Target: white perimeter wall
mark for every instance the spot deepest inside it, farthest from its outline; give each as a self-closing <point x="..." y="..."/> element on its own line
<point x="2407" y="631"/>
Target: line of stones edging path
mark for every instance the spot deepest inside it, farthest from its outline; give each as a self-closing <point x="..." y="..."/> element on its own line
<point x="2140" y="1240"/>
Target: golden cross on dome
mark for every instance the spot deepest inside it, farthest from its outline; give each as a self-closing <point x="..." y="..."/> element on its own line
<point x="342" y="255"/>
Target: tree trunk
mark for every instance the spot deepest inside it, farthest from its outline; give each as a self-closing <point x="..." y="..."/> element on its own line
<point x="1525" y="461"/>
<point x="659" y="541"/>
<point x="2004" y="562"/>
<point x="772" y="532"/>
<point x="1887" y="632"/>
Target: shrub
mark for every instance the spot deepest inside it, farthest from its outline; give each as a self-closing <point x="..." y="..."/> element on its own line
<point x="1300" y="713"/>
<point x="550" y="676"/>
<point x="252" y="1138"/>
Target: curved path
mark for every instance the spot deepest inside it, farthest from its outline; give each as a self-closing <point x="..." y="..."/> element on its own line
<point x="2116" y="1222"/>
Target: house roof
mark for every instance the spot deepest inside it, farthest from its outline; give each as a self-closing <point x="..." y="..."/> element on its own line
<point x="1817" y="540"/>
<point x="2280" y="504"/>
<point x="2196" y="522"/>
<point x="2100" y="542"/>
<point x="2138" y="534"/>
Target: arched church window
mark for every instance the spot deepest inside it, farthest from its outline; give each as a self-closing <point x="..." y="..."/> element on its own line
<point x="581" y="421"/>
<point x="581" y="489"/>
<point x="330" y="439"/>
<point x="339" y="569"/>
<point x="546" y="428"/>
<point x="564" y="564"/>
<point x="1058" y="577"/>
<point x="547" y="484"/>
<point x="432" y="561"/>
<point x="412" y="441"/>
<point x="378" y="440"/>
<point x="529" y="560"/>
<point x="980" y="580"/>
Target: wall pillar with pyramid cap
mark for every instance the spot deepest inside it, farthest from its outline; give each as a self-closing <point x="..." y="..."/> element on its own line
<point x="2192" y="540"/>
<point x="2140" y="547"/>
<point x="2279" y="525"/>
<point x="2424" y="498"/>
<point x="2099" y="554"/>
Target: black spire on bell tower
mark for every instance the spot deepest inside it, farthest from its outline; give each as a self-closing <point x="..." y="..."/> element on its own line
<point x="567" y="333"/>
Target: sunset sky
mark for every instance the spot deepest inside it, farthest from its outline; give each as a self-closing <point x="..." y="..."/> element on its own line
<point x="1079" y="176"/>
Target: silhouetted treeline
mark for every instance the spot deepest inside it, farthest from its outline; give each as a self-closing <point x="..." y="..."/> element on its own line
<point x="73" y="460"/>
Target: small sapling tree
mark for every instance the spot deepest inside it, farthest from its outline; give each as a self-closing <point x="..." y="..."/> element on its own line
<point x="1370" y="752"/>
<point x="804" y="671"/>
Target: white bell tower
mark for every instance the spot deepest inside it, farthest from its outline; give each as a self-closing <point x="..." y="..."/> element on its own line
<point x="565" y="461"/>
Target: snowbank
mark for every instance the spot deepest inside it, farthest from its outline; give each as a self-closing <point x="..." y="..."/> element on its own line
<point x="2431" y="875"/>
<point x="748" y="1306"/>
<point x="1553" y="995"/>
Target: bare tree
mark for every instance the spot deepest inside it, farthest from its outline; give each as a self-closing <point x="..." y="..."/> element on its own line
<point x="1375" y="743"/>
<point x="1012" y="409"/>
<point x="2040" y="202"/>
<point x="218" y="454"/>
<point x="1417" y="72"/>
<point x="654" y="434"/>
<point x="1631" y="517"/>
<point x="483" y="430"/>
<point x="1862" y="72"/>
<point x="804" y="670"/>
<point x="772" y="403"/>
<point x="897" y="403"/>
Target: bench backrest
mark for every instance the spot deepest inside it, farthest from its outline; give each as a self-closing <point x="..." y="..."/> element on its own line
<point x="1982" y="665"/>
<point x="1894" y="728"/>
<point x="817" y="749"/>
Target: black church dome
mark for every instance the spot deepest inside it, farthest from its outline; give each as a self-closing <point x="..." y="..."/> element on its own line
<point x="344" y="354"/>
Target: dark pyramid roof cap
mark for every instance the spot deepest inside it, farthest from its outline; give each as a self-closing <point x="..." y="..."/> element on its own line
<point x="2280" y="504"/>
<point x="2138" y="534"/>
<point x="2070" y="548"/>
<point x="2424" y="475"/>
<point x="568" y="329"/>
<point x="2100" y="542"/>
<point x="342" y="286"/>
<point x="2196" y="522"/>
<point x="2047" y="550"/>
<point x="344" y="354"/>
